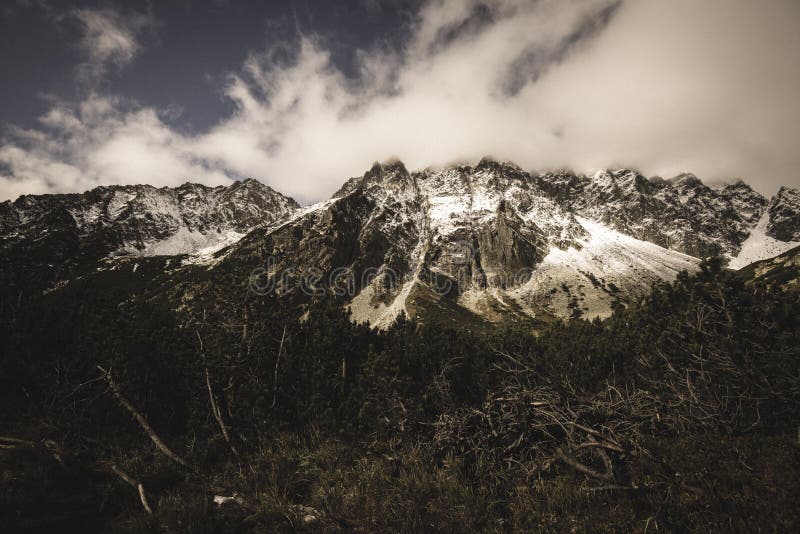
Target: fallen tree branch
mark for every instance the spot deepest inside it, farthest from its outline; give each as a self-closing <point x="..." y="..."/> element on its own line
<point x="46" y="444"/>
<point x="575" y="464"/>
<point x="612" y="487"/>
<point x="214" y="405"/>
<point x="13" y="442"/>
<point x="160" y="445"/>
<point x="600" y="444"/>
<point x="138" y="486"/>
<point x="606" y="460"/>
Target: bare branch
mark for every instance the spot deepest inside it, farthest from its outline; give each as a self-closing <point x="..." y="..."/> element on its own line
<point x="136" y="485"/>
<point x="142" y="421"/>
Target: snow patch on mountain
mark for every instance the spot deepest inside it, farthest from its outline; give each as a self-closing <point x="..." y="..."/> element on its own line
<point x="185" y="241"/>
<point x="760" y="246"/>
<point x="366" y="308"/>
<point x="608" y="267"/>
<point x="206" y="255"/>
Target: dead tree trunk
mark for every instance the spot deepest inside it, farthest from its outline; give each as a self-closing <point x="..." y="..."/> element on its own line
<point x="277" y="363"/>
<point x="213" y="400"/>
<point x="724" y="303"/>
<point x="218" y="415"/>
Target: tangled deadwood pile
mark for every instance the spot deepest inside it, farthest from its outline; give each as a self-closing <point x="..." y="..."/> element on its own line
<point x="535" y="429"/>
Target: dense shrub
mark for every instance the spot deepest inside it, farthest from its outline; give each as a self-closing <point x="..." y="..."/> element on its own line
<point x="679" y="411"/>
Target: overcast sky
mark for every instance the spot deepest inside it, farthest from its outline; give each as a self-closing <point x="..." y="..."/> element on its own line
<point x="303" y="94"/>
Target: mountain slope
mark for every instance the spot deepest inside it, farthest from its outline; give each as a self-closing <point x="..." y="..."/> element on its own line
<point x="781" y="271"/>
<point x="53" y="237"/>
<point x="608" y="268"/>
<point x="777" y="231"/>
<point x="681" y="214"/>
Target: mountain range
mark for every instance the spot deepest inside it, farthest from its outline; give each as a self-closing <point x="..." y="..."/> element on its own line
<point x="464" y="244"/>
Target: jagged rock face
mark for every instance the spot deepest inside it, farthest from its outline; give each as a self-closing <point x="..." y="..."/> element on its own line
<point x="488" y="223"/>
<point x="56" y="234"/>
<point x="507" y="246"/>
<point x="471" y="226"/>
<point x="681" y="214"/>
<point x="784" y="215"/>
<point x="342" y="243"/>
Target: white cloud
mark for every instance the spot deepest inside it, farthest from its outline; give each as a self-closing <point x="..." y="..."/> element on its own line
<point x="110" y="40"/>
<point x="665" y="87"/>
<point x="100" y="141"/>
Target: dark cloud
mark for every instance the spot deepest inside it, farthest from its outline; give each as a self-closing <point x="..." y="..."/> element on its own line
<point x="533" y="62"/>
